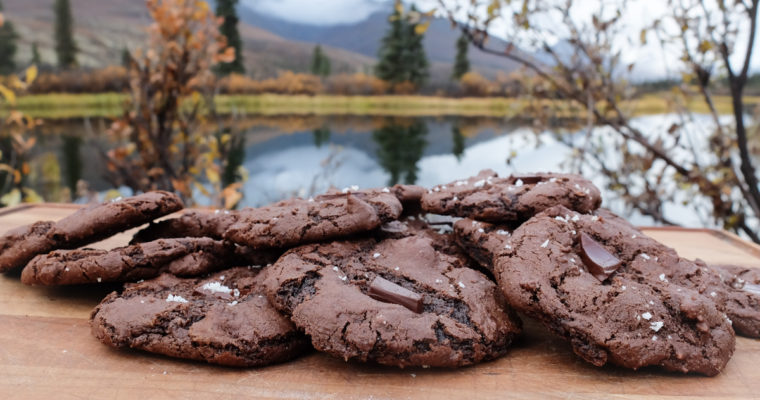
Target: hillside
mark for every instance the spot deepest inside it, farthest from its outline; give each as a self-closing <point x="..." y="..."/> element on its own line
<point x="104" y="27"/>
<point x="364" y="38"/>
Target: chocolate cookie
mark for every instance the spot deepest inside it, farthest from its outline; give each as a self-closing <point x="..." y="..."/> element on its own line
<point x="590" y="282"/>
<point x="412" y="301"/>
<point x="223" y="319"/>
<point x="189" y="224"/>
<point x="87" y="225"/>
<point x="743" y="305"/>
<point x="487" y="197"/>
<point x="298" y="221"/>
<point x="179" y="256"/>
<point x="721" y="284"/>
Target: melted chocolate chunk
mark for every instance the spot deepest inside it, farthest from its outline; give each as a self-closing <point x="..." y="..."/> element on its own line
<point x="600" y="262"/>
<point x="389" y="292"/>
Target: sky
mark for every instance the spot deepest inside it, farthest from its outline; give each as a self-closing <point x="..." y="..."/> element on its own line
<point x="650" y="61"/>
<point x="318" y="12"/>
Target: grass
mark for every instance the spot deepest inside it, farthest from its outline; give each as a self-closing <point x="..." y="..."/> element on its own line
<point x="58" y="106"/>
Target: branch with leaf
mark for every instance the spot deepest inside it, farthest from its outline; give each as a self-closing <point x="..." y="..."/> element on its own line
<point x="580" y="62"/>
<point x="159" y="141"/>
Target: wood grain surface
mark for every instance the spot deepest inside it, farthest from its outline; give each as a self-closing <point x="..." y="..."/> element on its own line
<point x="47" y="352"/>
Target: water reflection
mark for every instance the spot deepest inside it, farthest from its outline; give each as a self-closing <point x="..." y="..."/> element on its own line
<point x="400" y="146"/>
<point x="72" y="160"/>
<point x="321" y="136"/>
<point x="457" y="139"/>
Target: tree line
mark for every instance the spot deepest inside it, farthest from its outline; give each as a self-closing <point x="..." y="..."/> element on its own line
<point x="402" y="61"/>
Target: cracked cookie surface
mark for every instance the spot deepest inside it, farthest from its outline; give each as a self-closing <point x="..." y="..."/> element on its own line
<point x="487" y="197"/>
<point x="192" y="223"/>
<point x="298" y="221"/>
<point x="179" y="256"/>
<point x="87" y="225"/>
<point x="224" y="319"/>
<point x="635" y="317"/>
<point x="325" y="289"/>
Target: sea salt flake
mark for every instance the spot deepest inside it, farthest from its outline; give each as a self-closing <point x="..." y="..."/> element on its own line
<point x="633" y="236"/>
<point x="236" y="292"/>
<point x="461" y="285"/>
<point x="175" y="299"/>
<point x="654" y="338"/>
<point x="386" y="190"/>
<point x="560" y="218"/>
<point x="481" y="230"/>
<point x="545" y="244"/>
<point x="508" y="246"/>
<point x="436" y="189"/>
<point x="67" y="269"/>
<point x="645" y="256"/>
<point x="216" y="287"/>
<point x="479" y="183"/>
<point x="647" y="315"/>
<point x="455" y="198"/>
<point x="311" y="200"/>
<point x="552" y="180"/>
<point x="354" y="188"/>
<point x="232" y="303"/>
<point x="396" y="269"/>
<point x="100" y="279"/>
<point x="622" y="287"/>
<point x="518" y="183"/>
<point x="502" y="232"/>
<point x="335" y="268"/>
<point x="376" y="255"/>
<point x="713" y="294"/>
<point x="575" y="218"/>
<point x="595" y="218"/>
<point x="461" y="183"/>
<point x="656" y="326"/>
<point x="573" y="232"/>
<point x="662" y="278"/>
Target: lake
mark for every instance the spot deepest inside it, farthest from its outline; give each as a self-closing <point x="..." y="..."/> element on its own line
<point x="287" y="156"/>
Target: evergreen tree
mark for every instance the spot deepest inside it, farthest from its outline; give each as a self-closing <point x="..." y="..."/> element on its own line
<point x="65" y="46"/>
<point x="402" y="55"/>
<point x="226" y="9"/>
<point x="36" y="59"/>
<point x="126" y="57"/>
<point x="8" y="38"/>
<point x="461" y="63"/>
<point x="320" y="64"/>
<point x="415" y="60"/>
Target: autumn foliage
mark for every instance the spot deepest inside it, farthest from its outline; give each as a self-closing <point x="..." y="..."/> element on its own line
<point x="159" y="143"/>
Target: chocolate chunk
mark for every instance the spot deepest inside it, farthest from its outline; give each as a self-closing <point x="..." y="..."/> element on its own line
<point x="389" y="292"/>
<point x="600" y="262"/>
<point x="528" y="179"/>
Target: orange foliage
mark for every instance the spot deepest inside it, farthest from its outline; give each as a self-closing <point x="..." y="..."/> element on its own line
<point x="108" y="79"/>
<point x="356" y="84"/>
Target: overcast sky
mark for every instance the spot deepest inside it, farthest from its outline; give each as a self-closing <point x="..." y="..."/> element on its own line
<point x="650" y="61"/>
<point x="319" y="12"/>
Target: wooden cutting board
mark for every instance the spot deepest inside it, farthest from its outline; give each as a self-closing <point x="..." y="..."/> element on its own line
<point x="47" y="352"/>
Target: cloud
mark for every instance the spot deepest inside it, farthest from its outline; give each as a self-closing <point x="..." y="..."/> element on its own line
<point x="318" y="12"/>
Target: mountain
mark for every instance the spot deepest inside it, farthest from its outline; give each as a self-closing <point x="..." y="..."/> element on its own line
<point x="104" y="27"/>
<point x="364" y="38"/>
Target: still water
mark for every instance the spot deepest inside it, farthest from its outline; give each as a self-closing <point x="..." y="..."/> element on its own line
<point x="287" y="156"/>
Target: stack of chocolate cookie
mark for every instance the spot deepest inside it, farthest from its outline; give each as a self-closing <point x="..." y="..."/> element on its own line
<point x="400" y="276"/>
